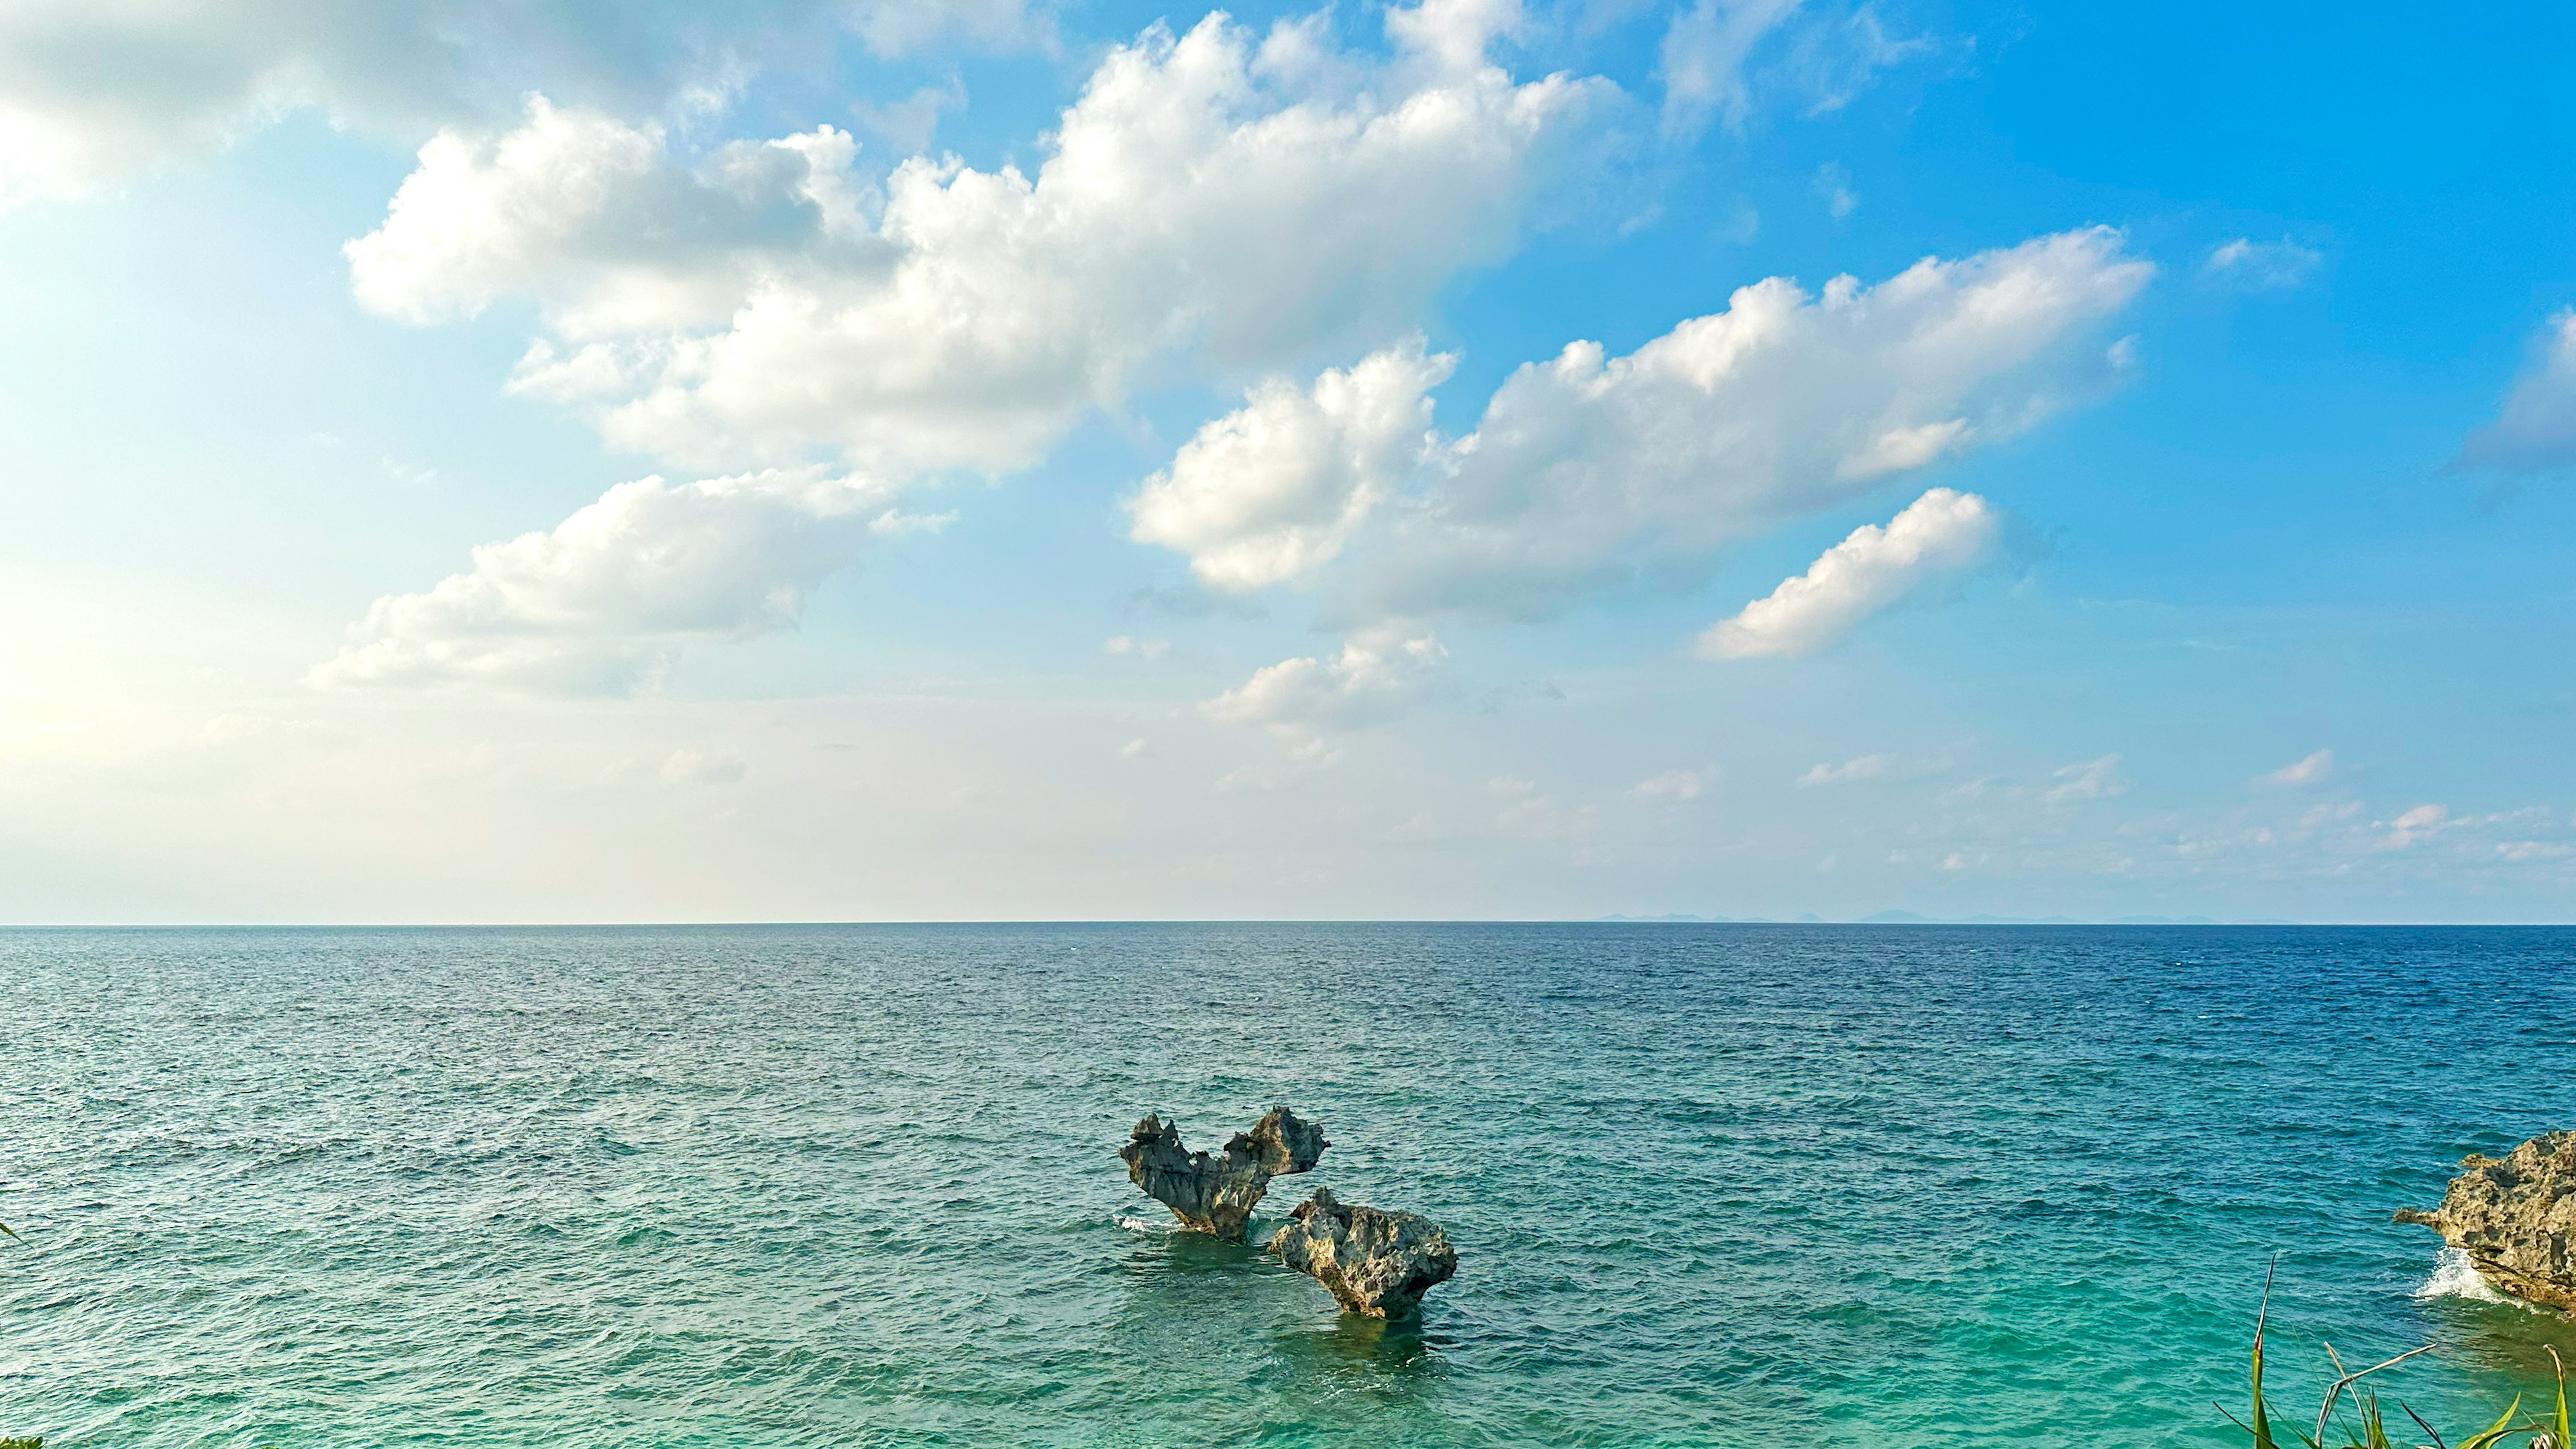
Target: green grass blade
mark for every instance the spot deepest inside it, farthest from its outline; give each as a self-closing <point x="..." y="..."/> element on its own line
<point x="2262" y="1425"/>
<point x="2497" y="1430"/>
<point x="2558" y="1424"/>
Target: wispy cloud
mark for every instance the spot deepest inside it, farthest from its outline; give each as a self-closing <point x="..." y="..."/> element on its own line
<point x="2091" y="780"/>
<point x="2311" y="770"/>
<point x="1673" y="785"/>
<point x="1863" y="767"/>
<point x="2262" y="266"/>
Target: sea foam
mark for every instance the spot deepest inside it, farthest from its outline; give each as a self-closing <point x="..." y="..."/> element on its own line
<point x="2454" y="1276"/>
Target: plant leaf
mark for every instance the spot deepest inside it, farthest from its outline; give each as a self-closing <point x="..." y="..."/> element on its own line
<point x="2497" y="1430"/>
<point x="2263" y="1426"/>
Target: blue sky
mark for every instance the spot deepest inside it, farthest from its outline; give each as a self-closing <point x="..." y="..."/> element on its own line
<point x="1166" y="496"/>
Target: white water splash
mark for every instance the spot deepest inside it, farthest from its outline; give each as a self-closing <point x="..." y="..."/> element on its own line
<point x="2454" y="1276"/>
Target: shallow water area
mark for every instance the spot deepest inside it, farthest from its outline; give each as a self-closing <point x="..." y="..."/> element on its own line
<point x="1715" y="1185"/>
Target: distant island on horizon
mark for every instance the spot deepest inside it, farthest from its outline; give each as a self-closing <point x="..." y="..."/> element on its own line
<point x="1911" y="918"/>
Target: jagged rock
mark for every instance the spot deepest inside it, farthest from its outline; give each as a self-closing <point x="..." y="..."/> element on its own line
<point x="1216" y="1194"/>
<point x="2513" y="1216"/>
<point x="1377" y="1263"/>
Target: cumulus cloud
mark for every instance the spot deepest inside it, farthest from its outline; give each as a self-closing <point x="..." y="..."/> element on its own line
<point x="1377" y="674"/>
<point x="1220" y="196"/>
<point x="1588" y="471"/>
<point x="590" y="214"/>
<point x="1245" y="200"/>
<point x="599" y="604"/>
<point x="1864" y="767"/>
<point x="1276" y="488"/>
<point x="2262" y="266"/>
<point x="92" y="93"/>
<point x="1585" y="467"/>
<point x="1942" y="532"/>
<point x="2535" y="432"/>
<point x="2311" y="770"/>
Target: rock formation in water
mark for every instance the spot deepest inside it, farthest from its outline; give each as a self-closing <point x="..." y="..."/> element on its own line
<point x="2513" y="1216"/>
<point x="1215" y="1194"/>
<point x="1377" y="1263"/>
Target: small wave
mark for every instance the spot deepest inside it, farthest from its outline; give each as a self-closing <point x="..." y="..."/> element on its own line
<point x="1149" y="1227"/>
<point x="2454" y="1276"/>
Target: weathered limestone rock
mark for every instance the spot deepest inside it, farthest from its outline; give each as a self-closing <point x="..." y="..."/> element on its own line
<point x="2513" y="1216"/>
<point x="1216" y="1194"/>
<point x="1377" y="1263"/>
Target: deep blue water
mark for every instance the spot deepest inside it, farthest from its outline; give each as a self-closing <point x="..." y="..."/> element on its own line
<point x="1721" y="1185"/>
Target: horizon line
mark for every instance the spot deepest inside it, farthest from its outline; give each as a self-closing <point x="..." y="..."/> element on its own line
<point x="1890" y="919"/>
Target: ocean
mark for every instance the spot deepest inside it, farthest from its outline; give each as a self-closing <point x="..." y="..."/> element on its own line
<point x="1710" y="1185"/>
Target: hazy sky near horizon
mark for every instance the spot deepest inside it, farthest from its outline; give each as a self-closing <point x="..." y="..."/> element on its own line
<point x="468" y="460"/>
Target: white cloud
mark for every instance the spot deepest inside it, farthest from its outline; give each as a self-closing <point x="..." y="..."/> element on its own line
<point x="1455" y="34"/>
<point x="1705" y="59"/>
<point x="2310" y="770"/>
<point x="2535" y="431"/>
<point x="1587" y="471"/>
<point x="1248" y="201"/>
<point x="1941" y="532"/>
<point x="1148" y="650"/>
<point x="1864" y="767"/>
<point x="1378" y="673"/>
<point x="1541" y="819"/>
<point x="1819" y="59"/>
<point x="1833" y="64"/>
<point x="1276" y="488"/>
<point x="2091" y="780"/>
<point x="1208" y="194"/>
<point x="599" y="604"/>
<point x="703" y="767"/>
<point x="909" y="124"/>
<point x="1833" y="186"/>
<point x="1673" y="785"/>
<point x="92" y="93"/>
<point x="590" y="214"/>
<point x="2257" y="265"/>
<point x="2421" y="823"/>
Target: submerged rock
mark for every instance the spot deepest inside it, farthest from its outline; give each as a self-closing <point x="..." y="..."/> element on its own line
<point x="1377" y="1263"/>
<point x="1216" y="1193"/>
<point x="2513" y="1216"/>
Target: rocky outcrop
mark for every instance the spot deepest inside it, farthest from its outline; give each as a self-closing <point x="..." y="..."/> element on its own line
<point x="1377" y="1263"/>
<point x="1216" y="1193"/>
<point x="2513" y="1216"/>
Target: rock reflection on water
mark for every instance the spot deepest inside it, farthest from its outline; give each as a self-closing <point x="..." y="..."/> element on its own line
<point x="1347" y="1370"/>
<point x="1227" y="1319"/>
<point x="1356" y="1349"/>
<point x="2501" y="1341"/>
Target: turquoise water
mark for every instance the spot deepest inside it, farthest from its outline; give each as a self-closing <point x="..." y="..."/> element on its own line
<point x="854" y="1186"/>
